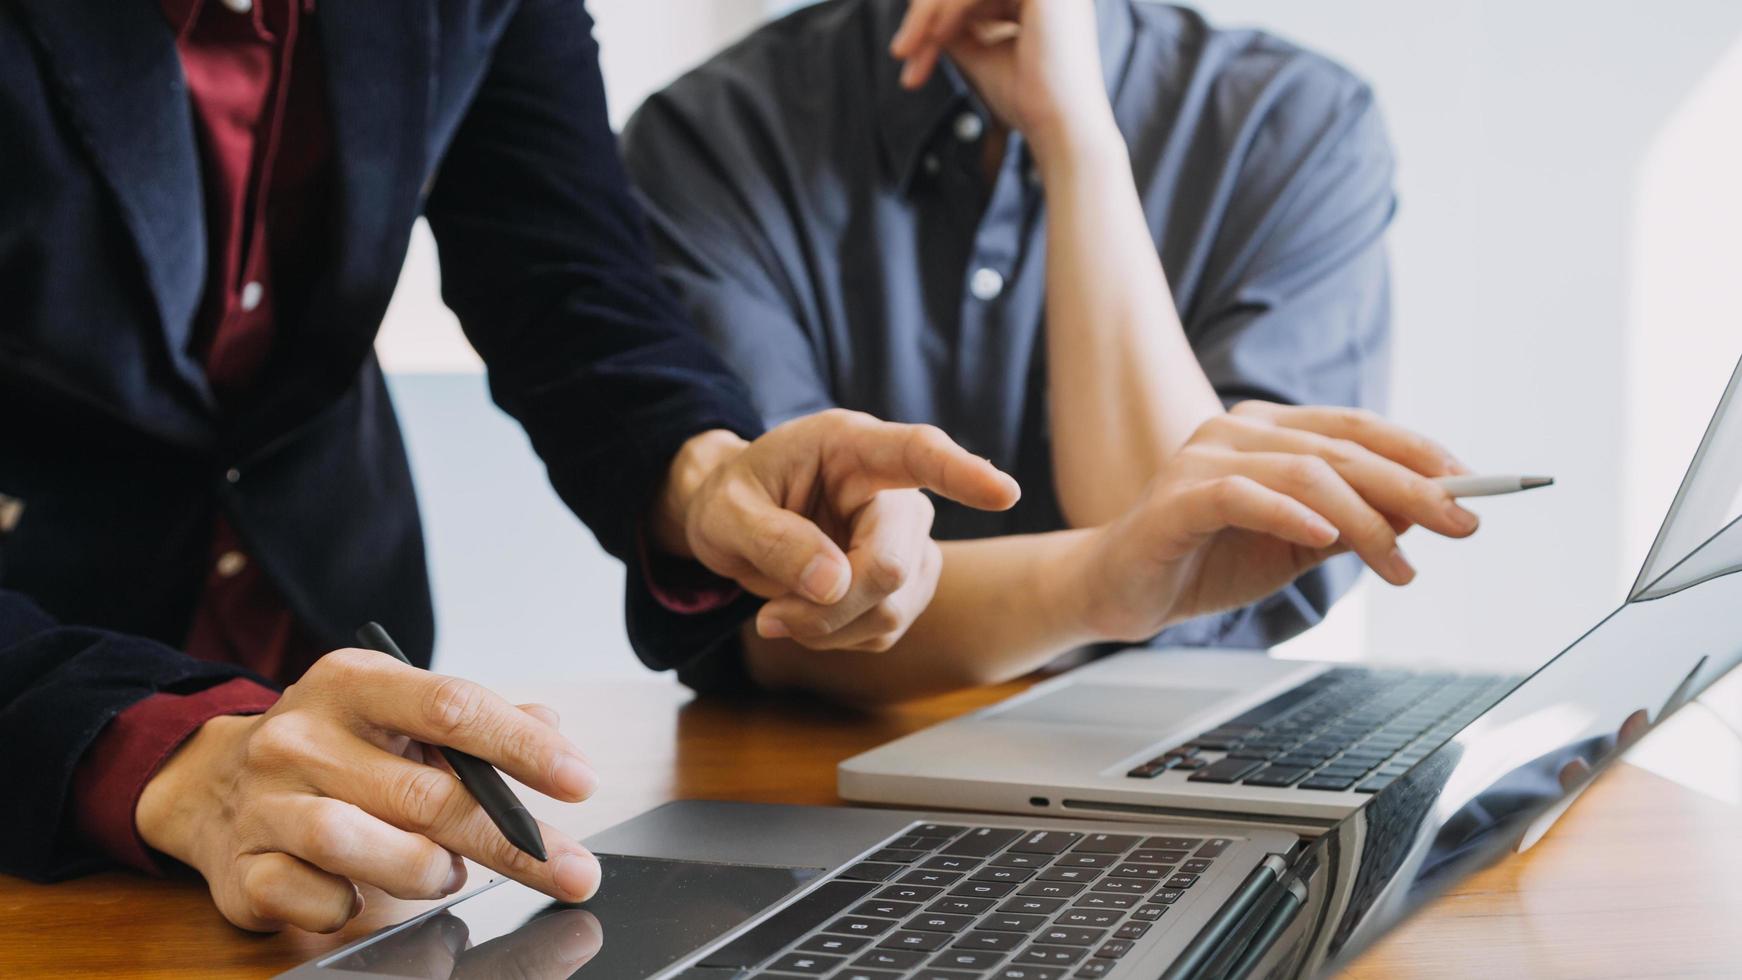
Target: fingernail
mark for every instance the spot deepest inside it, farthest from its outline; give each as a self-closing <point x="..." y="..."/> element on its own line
<point x="771" y="627"/>
<point x="1324" y="529"/>
<point x="576" y="876"/>
<point x="1461" y="519"/>
<point x="574" y="776"/>
<point x="456" y="878"/>
<point x="823" y="580"/>
<point x="1397" y="568"/>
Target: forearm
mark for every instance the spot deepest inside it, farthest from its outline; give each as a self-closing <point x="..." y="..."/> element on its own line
<point x="1124" y="387"/>
<point x="1003" y="607"/>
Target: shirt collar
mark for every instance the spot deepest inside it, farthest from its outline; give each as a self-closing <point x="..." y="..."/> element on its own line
<point x="910" y="119"/>
<point x="181" y="14"/>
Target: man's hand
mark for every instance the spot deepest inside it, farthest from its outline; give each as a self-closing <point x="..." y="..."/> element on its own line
<point x="1037" y="63"/>
<point x="823" y="516"/>
<point x="287" y="812"/>
<point x="1255" y="498"/>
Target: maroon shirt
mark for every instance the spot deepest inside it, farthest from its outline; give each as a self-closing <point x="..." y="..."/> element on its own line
<point x="257" y="97"/>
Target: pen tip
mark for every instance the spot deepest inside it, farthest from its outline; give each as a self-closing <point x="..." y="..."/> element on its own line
<point x="522" y="831"/>
<point x="1532" y="482"/>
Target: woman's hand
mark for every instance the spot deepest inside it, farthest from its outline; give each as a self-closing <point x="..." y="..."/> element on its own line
<point x="1255" y="498"/>
<point x="285" y="813"/>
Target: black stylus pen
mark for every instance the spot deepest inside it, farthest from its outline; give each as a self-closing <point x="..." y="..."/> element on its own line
<point x="479" y="777"/>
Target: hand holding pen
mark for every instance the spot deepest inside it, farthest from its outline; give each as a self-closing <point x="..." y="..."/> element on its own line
<point x="286" y="813"/>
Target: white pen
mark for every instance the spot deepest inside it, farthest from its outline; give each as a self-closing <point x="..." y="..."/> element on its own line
<point x="1490" y="486"/>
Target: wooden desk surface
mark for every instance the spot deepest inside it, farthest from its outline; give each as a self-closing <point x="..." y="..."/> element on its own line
<point x="1642" y="877"/>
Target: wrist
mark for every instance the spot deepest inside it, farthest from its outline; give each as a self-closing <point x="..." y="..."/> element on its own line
<point x="172" y="807"/>
<point x="1088" y="144"/>
<point x="1068" y="584"/>
<point x="695" y="461"/>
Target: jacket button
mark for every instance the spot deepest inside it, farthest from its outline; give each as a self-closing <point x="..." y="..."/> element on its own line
<point x="232" y="475"/>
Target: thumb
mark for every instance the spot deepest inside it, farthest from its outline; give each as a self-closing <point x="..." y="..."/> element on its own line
<point x="788" y="554"/>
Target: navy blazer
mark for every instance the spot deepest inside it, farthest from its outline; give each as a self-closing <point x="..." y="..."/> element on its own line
<point x="486" y="116"/>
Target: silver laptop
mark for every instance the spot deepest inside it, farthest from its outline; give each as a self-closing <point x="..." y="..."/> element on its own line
<point x="728" y="891"/>
<point x="725" y="891"/>
<point x="1172" y="734"/>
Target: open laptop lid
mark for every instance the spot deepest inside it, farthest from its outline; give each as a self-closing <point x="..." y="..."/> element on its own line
<point x="1473" y="800"/>
<point x="1708" y="503"/>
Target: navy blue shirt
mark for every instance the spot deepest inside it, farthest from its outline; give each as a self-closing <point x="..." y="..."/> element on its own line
<point x="836" y="238"/>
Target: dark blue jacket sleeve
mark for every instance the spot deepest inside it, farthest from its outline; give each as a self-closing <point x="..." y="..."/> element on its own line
<point x="545" y="259"/>
<point x="59" y="686"/>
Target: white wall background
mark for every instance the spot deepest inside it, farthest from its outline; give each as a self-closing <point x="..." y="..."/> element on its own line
<point x="1568" y="279"/>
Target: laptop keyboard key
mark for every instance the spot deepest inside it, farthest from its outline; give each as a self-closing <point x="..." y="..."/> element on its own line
<point x="1022" y="971"/>
<point x="1089" y="918"/>
<point x="1105" y="900"/>
<point x="1032" y="905"/>
<point x="1164" y="856"/>
<point x="1112" y="949"/>
<point x="898" y="855"/>
<point x="1149" y="913"/>
<point x="1328" y="782"/>
<point x="1051" y="955"/>
<point x="982" y="841"/>
<point x="1170" y="843"/>
<point x="1012" y="922"/>
<point x="956" y="905"/>
<point x="913" y="939"/>
<point x="1124" y="886"/>
<point x="891" y="959"/>
<point x="810" y="964"/>
<point x="1374" y="785"/>
<point x="856" y="973"/>
<point x="1046" y="842"/>
<point x="1071" y="936"/>
<point x="1015" y="875"/>
<point x="1081" y="860"/>
<point x="927" y="876"/>
<point x="983" y="889"/>
<point x="1106" y="844"/>
<point x="1196" y="866"/>
<point x="859" y="925"/>
<point x="950" y="862"/>
<point x="1155" y="871"/>
<point x="938" y="922"/>
<point x="1165" y="896"/>
<point x="1071" y="874"/>
<point x="909" y="893"/>
<point x="871" y="871"/>
<point x="1052" y="889"/>
<point x="1276" y="775"/>
<point x="1182" y="881"/>
<point x="967" y="959"/>
<point x="1093" y="969"/>
<point x="839" y="945"/>
<point x="885" y="909"/>
<point x="1132" y="930"/>
<point x="1012" y="860"/>
<point x="1225" y="771"/>
<point x="1213" y="847"/>
<point x="988" y="939"/>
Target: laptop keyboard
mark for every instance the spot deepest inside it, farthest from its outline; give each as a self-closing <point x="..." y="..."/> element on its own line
<point x="948" y="902"/>
<point x="1348" y="728"/>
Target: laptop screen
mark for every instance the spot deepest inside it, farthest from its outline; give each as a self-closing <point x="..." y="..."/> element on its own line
<point x="1503" y="778"/>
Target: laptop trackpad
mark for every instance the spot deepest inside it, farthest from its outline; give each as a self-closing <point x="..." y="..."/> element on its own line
<point x="1106" y="706"/>
<point x="648" y="914"/>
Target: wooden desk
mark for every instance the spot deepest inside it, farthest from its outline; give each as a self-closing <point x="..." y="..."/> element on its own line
<point x="1641" y="877"/>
